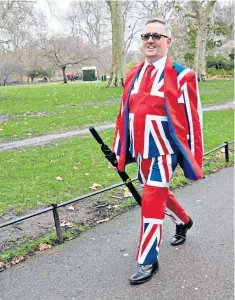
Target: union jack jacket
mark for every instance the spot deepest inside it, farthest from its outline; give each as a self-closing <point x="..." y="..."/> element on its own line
<point x="184" y="121"/>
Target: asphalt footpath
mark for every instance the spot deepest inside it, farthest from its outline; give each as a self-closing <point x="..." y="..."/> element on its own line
<point x="97" y="264"/>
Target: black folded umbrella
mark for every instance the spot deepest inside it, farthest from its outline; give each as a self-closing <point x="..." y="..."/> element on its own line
<point x="111" y="157"/>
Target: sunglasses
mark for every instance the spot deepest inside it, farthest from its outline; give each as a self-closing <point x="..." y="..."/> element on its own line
<point x="154" y="36"/>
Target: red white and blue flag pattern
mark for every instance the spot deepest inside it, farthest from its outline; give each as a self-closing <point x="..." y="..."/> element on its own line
<point x="173" y="119"/>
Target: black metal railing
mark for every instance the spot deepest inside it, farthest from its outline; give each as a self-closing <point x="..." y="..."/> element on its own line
<point x="55" y="207"/>
<point x="226" y="150"/>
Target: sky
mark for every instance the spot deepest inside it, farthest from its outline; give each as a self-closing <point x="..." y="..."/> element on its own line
<point x="61" y="4"/>
<point x="54" y="9"/>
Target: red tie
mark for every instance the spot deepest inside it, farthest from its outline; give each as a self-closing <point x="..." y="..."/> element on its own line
<point x="145" y="84"/>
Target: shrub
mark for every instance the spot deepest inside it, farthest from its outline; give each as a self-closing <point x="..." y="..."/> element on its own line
<point x="219" y="62"/>
<point x="220" y="72"/>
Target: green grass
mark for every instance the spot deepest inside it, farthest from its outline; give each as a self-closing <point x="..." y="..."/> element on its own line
<point x="68" y="119"/>
<point x="218" y="128"/>
<point x="50" y="97"/>
<point x="216" y="91"/>
<point x="28" y="176"/>
<point x="43" y="109"/>
<point x="31" y="245"/>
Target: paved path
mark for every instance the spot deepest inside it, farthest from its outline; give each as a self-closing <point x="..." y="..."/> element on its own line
<point x="224" y="106"/>
<point x="42" y="140"/>
<point x="96" y="266"/>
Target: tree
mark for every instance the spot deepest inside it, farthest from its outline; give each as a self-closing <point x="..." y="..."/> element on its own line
<point x="231" y="55"/>
<point x="162" y="9"/>
<point x="117" y="75"/>
<point x="132" y="23"/>
<point x="7" y="69"/>
<point x="201" y="12"/>
<point x="38" y="72"/>
<point x="224" y="14"/>
<point x="33" y="61"/>
<point x="19" y="22"/>
<point x="34" y="73"/>
<point x="64" y="51"/>
<point x="90" y="21"/>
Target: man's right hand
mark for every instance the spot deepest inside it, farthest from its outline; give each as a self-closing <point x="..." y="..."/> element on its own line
<point x="112" y="167"/>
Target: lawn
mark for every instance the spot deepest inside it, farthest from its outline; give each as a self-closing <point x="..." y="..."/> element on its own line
<point x="216" y="91"/>
<point x="42" y="109"/>
<point x="50" y="97"/>
<point x="48" y="108"/>
<point x="28" y="176"/>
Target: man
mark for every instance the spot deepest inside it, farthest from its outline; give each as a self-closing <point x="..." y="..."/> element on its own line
<point x="159" y="126"/>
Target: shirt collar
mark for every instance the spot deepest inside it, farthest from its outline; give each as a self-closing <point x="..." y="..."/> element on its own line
<point x="158" y="64"/>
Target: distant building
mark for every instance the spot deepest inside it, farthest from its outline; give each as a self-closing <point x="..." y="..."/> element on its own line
<point x="89" y="73"/>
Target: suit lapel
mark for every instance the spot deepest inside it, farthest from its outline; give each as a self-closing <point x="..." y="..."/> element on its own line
<point x="170" y="87"/>
<point x="124" y="129"/>
<point x="130" y="80"/>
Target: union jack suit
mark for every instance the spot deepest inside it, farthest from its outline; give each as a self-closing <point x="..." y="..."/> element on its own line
<point x="159" y="125"/>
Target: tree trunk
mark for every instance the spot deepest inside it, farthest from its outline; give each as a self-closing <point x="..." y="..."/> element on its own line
<point x="207" y="18"/>
<point x="204" y="16"/>
<point x="117" y="75"/>
<point x="197" y="52"/>
<point x="203" y="56"/>
<point x="64" y="75"/>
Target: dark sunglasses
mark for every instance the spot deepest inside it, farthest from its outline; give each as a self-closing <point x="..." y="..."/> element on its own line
<point x="154" y="36"/>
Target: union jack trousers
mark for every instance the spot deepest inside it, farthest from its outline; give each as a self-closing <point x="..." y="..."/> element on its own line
<point x="157" y="200"/>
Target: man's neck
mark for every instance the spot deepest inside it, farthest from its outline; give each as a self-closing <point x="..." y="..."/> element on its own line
<point x="153" y="60"/>
<point x="158" y="64"/>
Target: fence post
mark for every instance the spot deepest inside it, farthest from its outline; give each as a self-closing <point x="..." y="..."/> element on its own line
<point x="57" y="223"/>
<point x="226" y="152"/>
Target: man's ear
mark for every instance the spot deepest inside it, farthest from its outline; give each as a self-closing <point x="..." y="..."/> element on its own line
<point x="168" y="42"/>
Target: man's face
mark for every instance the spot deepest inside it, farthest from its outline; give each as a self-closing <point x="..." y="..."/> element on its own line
<point x="155" y="49"/>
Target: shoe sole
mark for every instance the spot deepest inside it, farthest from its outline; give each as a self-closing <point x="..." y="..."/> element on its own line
<point x="174" y="245"/>
<point x="191" y="224"/>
